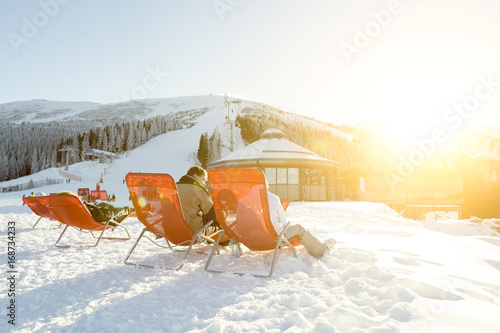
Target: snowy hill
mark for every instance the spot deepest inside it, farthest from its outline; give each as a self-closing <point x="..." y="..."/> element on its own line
<point x="42" y="110"/>
<point x="207" y="112"/>
<point x="161" y="154"/>
<point x="46" y="111"/>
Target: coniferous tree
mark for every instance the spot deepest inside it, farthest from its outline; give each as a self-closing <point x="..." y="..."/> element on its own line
<point x="214" y="146"/>
<point x="84" y="147"/>
<point x="4" y="165"/>
<point x="203" y="150"/>
<point x="53" y="159"/>
<point x="104" y="141"/>
<point x="131" y="138"/>
<point x="34" y="166"/>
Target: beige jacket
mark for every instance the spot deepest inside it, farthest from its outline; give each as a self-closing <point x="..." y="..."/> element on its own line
<point x="195" y="200"/>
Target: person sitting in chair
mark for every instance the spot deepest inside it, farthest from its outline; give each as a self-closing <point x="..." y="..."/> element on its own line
<point x="196" y="202"/>
<point x="103" y="211"/>
<point x="313" y="245"/>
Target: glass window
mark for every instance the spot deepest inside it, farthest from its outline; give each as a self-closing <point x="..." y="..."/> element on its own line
<point x="281" y="176"/>
<point x="271" y="175"/>
<point x="282" y="191"/>
<point x="293" y="176"/>
<point x="293" y="192"/>
<point x="322" y="193"/>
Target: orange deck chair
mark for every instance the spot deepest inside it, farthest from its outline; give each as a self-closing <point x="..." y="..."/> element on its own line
<point x="38" y="206"/>
<point x="242" y="209"/>
<point x="101" y="194"/>
<point x="157" y="205"/>
<point x="285" y="203"/>
<point x="69" y="210"/>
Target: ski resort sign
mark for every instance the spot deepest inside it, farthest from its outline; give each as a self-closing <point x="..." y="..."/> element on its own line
<point x="31" y="26"/>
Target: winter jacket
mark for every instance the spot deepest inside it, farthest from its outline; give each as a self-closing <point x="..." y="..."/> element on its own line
<point x="103" y="212"/>
<point x="195" y="202"/>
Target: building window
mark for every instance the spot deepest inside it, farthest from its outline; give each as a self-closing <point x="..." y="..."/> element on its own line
<point x="284" y="182"/>
<point x="293" y="176"/>
<point x="281" y="176"/>
<point x="313" y="184"/>
<point x="271" y="175"/>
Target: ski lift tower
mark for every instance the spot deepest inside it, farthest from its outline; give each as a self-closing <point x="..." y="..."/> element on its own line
<point x="230" y="117"/>
<point x="69" y="150"/>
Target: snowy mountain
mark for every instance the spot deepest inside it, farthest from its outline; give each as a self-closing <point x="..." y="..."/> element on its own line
<point x="37" y="130"/>
<point x="46" y="111"/>
<point x="42" y="110"/>
<point x="207" y="112"/>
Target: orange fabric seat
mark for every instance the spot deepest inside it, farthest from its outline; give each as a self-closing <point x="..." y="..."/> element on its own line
<point x="70" y="210"/>
<point x="285" y="203"/>
<point x="38" y="206"/>
<point x="157" y="206"/>
<point x="242" y="209"/>
<point x="101" y="194"/>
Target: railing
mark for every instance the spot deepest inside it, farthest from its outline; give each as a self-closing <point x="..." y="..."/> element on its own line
<point x="70" y="176"/>
<point x="31" y="184"/>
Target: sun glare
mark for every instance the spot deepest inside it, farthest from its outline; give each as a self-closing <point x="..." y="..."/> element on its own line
<point x="406" y="134"/>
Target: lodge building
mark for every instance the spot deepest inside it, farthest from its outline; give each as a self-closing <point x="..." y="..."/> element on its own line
<point x="292" y="172"/>
<point x="297" y="174"/>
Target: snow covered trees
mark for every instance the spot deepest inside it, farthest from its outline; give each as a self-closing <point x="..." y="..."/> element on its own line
<point x="31" y="147"/>
<point x="321" y="141"/>
<point x="203" y="150"/>
<point x="209" y="149"/>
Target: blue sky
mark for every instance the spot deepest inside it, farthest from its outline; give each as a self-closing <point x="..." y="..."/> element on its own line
<point x="407" y="62"/>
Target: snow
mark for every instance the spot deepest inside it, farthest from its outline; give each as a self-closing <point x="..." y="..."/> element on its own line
<point x="271" y="148"/>
<point x="46" y="111"/>
<point x="386" y="273"/>
<point x="42" y="110"/>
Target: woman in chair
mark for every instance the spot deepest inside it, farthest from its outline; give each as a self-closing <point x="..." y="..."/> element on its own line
<point x="314" y="246"/>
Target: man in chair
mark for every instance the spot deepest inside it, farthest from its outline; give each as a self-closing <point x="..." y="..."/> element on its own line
<point x="197" y="205"/>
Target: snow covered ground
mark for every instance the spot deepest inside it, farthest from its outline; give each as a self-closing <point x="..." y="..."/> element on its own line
<point x="386" y="273"/>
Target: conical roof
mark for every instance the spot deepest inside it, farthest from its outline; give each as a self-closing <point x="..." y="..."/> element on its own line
<point x="272" y="133"/>
<point x="272" y="148"/>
